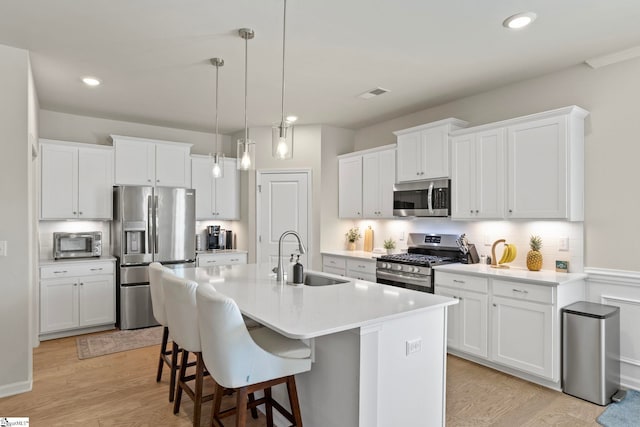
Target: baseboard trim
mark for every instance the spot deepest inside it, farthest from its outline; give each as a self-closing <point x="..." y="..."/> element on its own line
<point x="73" y="332"/>
<point x="15" y="388"/>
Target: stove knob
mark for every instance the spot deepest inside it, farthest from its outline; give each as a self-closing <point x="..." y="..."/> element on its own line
<point x="415" y="269"/>
<point x="397" y="267"/>
<point x="384" y="265"/>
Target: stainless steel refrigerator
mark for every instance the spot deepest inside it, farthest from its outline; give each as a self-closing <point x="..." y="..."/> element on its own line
<point x="150" y="224"/>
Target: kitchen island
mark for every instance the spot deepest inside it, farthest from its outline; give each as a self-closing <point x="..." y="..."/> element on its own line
<point x="379" y="352"/>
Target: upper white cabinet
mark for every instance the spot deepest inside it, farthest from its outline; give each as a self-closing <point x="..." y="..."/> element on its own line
<point x="365" y="183"/>
<point x="545" y="158"/>
<point x="142" y="161"/>
<point x="423" y="151"/>
<point x="530" y="167"/>
<point x="216" y="198"/>
<point x="478" y="175"/>
<point x="378" y="177"/>
<point x="350" y="187"/>
<point x="76" y="180"/>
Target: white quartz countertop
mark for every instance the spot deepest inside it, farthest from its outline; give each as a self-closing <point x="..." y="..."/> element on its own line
<point x="301" y="311"/>
<point x="354" y="254"/>
<point x="542" y="277"/>
<point x="51" y="261"/>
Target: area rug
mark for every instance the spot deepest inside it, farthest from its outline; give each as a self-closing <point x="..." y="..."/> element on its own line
<point x="114" y="342"/>
<point x="622" y="414"/>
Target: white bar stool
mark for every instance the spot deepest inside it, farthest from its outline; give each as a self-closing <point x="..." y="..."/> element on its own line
<point x="247" y="361"/>
<point x="180" y="303"/>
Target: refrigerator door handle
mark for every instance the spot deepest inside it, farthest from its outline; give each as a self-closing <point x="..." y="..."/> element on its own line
<point x="155" y="223"/>
<point x="150" y="227"/>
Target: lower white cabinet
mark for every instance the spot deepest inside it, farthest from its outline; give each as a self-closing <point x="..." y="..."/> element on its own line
<point x="355" y="268"/>
<point x="208" y="260"/>
<point x="74" y="296"/>
<point x="508" y="324"/>
<point x="522" y="335"/>
<point x="467" y="324"/>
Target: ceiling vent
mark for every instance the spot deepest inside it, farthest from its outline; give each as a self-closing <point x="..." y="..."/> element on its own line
<point x="373" y="93"/>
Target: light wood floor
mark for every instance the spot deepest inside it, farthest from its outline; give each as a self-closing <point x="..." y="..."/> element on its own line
<point x="120" y="390"/>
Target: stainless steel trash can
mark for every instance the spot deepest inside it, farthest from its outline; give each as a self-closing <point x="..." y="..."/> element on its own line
<point x="591" y="351"/>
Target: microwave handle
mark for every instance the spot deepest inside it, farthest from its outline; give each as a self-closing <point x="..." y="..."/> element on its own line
<point x="430" y="198"/>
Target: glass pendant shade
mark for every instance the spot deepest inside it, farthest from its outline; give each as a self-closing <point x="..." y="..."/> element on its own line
<point x="282" y="140"/>
<point x="246" y="154"/>
<point x="217" y="165"/>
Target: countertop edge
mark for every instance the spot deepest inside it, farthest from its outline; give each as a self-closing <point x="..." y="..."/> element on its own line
<point x="552" y="278"/>
<point x="51" y="261"/>
<point x="372" y="256"/>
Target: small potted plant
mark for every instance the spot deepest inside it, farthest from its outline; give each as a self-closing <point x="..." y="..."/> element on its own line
<point x="389" y="245"/>
<point x="352" y="237"/>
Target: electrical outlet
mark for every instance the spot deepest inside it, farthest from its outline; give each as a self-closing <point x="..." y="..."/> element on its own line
<point x="3" y="248"/>
<point x="563" y="244"/>
<point x="414" y="346"/>
<point x="401" y="236"/>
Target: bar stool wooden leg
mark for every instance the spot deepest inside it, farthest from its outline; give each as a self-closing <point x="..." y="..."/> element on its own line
<point x="254" y="411"/>
<point x="183" y="369"/>
<point x="241" y="407"/>
<point x="163" y="352"/>
<point x="217" y="402"/>
<point x="175" y="353"/>
<point x="293" y="400"/>
<point x="197" y="400"/>
<point x="268" y="406"/>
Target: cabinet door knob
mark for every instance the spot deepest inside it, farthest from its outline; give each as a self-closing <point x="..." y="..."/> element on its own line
<point x="74" y="212"/>
<point x="417" y="173"/>
<point x="510" y="210"/>
<point x="79" y="213"/>
<point x="157" y="180"/>
<point x="148" y="180"/>
<point x="494" y="305"/>
<point x="471" y="211"/>
<point x="75" y="284"/>
<point x="81" y="284"/>
<point x="477" y="211"/>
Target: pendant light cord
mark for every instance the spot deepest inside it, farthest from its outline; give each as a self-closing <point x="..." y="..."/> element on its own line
<point x="217" y="70"/>
<point x="246" y="67"/>
<point x="284" y="31"/>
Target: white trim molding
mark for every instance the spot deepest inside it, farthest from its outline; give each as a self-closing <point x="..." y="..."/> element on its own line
<point x="15" y="388"/>
<point x="621" y="288"/>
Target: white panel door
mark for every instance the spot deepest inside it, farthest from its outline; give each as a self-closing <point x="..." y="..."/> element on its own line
<point x="283" y="204"/>
<point x="202" y="182"/>
<point x="409" y="162"/>
<point x="490" y="174"/>
<point x="387" y="167"/>
<point x="370" y="185"/>
<point x="473" y="323"/>
<point x="59" y="190"/>
<point x="95" y="183"/>
<point x="172" y="166"/>
<point x="435" y="153"/>
<point x="58" y="304"/>
<point x="227" y="197"/>
<point x="134" y="163"/>
<point x="463" y="177"/>
<point x="453" y="317"/>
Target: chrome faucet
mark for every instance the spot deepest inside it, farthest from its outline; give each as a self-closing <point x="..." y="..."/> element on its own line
<point x="301" y="249"/>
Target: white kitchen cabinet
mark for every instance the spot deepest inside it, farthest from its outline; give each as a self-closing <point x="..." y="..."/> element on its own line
<point x="365" y="183"/>
<point x="76" y="180"/>
<point x="334" y="265"/>
<point x="350" y="187"/>
<point x="212" y="259"/>
<point x="140" y="161"/>
<point x="378" y="178"/>
<point x="353" y="267"/>
<point x="216" y="198"/>
<point x="75" y="296"/>
<point x="478" y="175"/>
<point x="423" y="151"/>
<point x="545" y="158"/>
<point x="467" y="328"/>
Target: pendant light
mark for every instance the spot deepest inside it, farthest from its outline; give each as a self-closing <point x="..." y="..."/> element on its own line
<point x="282" y="133"/>
<point x="246" y="147"/>
<point x="217" y="167"/>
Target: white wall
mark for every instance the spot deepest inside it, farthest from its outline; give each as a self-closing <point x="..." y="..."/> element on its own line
<point x="15" y="222"/>
<point x="93" y="130"/>
<point x="612" y="236"/>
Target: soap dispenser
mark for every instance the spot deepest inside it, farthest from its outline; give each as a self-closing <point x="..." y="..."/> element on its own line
<point x="289" y="273"/>
<point x="298" y="275"/>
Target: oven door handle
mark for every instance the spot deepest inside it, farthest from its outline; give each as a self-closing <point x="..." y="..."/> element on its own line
<point x="425" y="281"/>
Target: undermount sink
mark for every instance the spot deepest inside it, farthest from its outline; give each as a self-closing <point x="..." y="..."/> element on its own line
<point x="312" y="279"/>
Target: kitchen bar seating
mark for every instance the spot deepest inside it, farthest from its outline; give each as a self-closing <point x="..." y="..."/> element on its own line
<point x="168" y="357"/>
<point x="247" y="361"/>
<point x="180" y="302"/>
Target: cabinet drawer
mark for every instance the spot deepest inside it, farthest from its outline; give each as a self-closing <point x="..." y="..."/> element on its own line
<point x="468" y="283"/>
<point x="523" y="291"/>
<point x="333" y="270"/>
<point x="334" y="262"/>
<point x="355" y="266"/>
<point x="221" y="259"/>
<point x="362" y="276"/>
<point x="72" y="270"/>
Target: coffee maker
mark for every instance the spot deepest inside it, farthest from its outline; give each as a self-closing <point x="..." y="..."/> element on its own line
<point x="213" y="237"/>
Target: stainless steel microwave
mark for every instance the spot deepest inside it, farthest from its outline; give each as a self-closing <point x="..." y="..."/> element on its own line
<point x="77" y="245"/>
<point x="423" y="198"/>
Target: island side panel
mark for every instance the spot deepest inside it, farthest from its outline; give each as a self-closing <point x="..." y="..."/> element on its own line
<point x="412" y="381"/>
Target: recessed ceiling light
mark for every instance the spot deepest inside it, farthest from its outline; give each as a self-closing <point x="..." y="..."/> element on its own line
<point x="519" y="20"/>
<point x="91" y="81"/>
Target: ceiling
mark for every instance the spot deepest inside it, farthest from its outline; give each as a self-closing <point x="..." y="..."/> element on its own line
<point x="153" y="55"/>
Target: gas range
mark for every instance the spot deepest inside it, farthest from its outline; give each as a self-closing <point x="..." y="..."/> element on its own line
<point x="412" y="270"/>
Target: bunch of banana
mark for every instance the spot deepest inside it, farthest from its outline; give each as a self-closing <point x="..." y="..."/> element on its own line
<point x="509" y="253"/>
